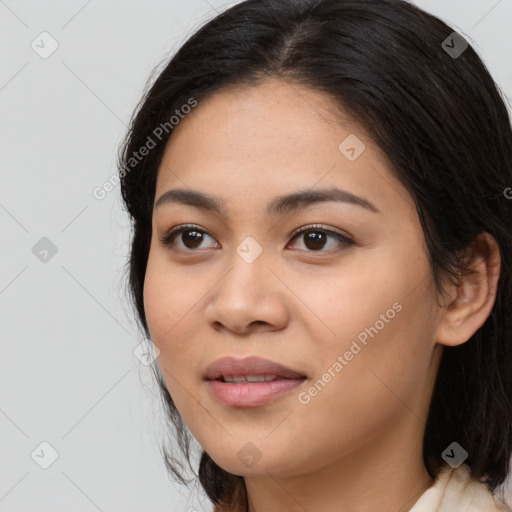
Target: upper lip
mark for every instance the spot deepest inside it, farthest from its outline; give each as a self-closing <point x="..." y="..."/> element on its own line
<point x="231" y="366"/>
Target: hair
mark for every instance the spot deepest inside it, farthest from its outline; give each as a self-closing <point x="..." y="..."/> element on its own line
<point x="440" y="119"/>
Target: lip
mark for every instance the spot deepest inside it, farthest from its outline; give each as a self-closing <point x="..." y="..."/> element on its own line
<point x="250" y="394"/>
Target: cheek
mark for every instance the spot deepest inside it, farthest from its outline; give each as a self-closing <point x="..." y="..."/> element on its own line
<point x="338" y="305"/>
<point x="378" y="318"/>
<point x="169" y="304"/>
<point x="168" y="297"/>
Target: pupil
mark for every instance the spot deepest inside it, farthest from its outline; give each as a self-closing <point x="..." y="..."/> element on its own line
<point x="316" y="238"/>
<point x="195" y="240"/>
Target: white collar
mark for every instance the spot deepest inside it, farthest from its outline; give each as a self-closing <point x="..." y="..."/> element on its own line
<point x="455" y="491"/>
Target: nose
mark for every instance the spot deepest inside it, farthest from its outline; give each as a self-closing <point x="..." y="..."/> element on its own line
<point x="248" y="298"/>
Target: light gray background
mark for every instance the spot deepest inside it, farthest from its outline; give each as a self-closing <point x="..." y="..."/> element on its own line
<point x="68" y="375"/>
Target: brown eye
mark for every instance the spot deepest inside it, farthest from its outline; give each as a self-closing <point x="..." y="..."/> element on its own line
<point x="191" y="237"/>
<point x="315" y="238"/>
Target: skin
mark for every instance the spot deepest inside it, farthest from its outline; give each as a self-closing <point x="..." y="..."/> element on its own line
<point x="357" y="445"/>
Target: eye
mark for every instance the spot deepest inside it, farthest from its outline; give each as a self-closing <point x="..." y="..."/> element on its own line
<point x="315" y="238"/>
<point x="193" y="239"/>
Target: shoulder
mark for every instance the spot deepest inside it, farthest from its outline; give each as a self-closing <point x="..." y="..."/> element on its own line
<point x="455" y="491"/>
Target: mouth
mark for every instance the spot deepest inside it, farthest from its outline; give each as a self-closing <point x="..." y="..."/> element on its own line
<point x="250" y="382"/>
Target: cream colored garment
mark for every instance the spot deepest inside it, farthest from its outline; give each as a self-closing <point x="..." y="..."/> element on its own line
<point x="455" y="491"/>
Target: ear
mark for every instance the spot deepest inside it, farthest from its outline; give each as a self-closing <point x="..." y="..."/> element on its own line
<point x="469" y="304"/>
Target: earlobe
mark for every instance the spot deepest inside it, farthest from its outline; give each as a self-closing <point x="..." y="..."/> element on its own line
<point x="471" y="302"/>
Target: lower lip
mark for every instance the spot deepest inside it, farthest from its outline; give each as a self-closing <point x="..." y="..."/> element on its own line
<point x="251" y="394"/>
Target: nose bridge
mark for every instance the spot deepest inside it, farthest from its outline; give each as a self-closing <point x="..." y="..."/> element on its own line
<point x="250" y="250"/>
<point x="248" y="266"/>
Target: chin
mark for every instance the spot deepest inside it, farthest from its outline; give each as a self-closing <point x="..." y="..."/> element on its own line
<point x="250" y="459"/>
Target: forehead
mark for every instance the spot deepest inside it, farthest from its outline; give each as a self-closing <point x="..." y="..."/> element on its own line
<point x="245" y="143"/>
<point x="274" y="116"/>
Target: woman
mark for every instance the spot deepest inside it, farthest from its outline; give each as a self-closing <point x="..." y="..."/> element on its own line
<point x="321" y="253"/>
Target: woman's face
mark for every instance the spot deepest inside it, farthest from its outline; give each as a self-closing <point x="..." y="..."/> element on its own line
<point x="354" y="317"/>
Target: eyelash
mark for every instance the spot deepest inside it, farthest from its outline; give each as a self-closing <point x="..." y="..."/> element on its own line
<point x="166" y="239"/>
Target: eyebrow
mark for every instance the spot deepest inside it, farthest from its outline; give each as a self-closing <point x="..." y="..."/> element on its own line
<point x="279" y="205"/>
